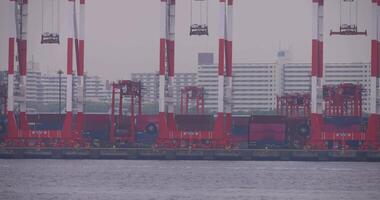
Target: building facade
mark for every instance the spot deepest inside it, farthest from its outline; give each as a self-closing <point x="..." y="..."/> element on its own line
<point x="47" y="88"/>
<point x="149" y="82"/>
<point x="297" y="78"/>
<point x="253" y="86"/>
<point x="150" y="86"/>
<point x="256" y="85"/>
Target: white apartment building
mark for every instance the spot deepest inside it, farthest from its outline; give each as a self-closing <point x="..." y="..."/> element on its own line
<point x="95" y="89"/>
<point x="357" y="73"/>
<point x="255" y="85"/>
<point x="297" y="77"/>
<point x="43" y="88"/>
<point x="150" y="85"/>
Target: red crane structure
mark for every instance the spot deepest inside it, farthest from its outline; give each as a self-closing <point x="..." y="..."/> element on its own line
<point x="325" y="101"/>
<point x="22" y="134"/>
<point x="122" y="128"/>
<point x="343" y="100"/>
<point x="192" y="93"/>
<point x="3" y="109"/>
<point x="294" y="105"/>
<point x="3" y="99"/>
<point x="296" y="109"/>
<point x="318" y="134"/>
<point x="169" y="135"/>
<point x="342" y="116"/>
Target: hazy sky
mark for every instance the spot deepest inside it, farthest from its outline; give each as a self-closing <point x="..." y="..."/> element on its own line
<point x="122" y="36"/>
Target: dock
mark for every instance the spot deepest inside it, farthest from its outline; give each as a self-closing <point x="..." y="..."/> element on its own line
<point x="190" y="154"/>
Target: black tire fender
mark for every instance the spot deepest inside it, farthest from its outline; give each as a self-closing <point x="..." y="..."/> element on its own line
<point x="151" y="128"/>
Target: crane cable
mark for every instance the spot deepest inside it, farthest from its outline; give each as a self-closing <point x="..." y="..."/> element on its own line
<point x="207" y="12"/>
<point x="340" y="14"/>
<point x="200" y="12"/>
<point x="42" y="15"/>
<point x="201" y="5"/>
<point x="357" y="12"/>
<point x="58" y="16"/>
<point x="350" y="9"/>
<point x="55" y="16"/>
<point x="191" y="12"/>
<point x="52" y="15"/>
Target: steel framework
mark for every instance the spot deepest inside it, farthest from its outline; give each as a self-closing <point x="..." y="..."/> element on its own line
<point x="294" y="105"/>
<point x="23" y="135"/>
<point x="3" y="99"/>
<point x="343" y="100"/>
<point x="192" y="93"/>
<point x="318" y="135"/>
<point x="125" y="88"/>
<point x="168" y="133"/>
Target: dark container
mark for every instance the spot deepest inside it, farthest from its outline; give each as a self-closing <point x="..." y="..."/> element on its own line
<point x="194" y="123"/>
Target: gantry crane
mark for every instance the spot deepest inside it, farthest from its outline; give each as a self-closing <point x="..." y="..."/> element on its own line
<point x="124" y="130"/>
<point x="318" y="134"/>
<point x="169" y="135"/>
<point x="23" y="135"/>
<point x="344" y="99"/>
<point x="294" y="105"/>
<point x="196" y="94"/>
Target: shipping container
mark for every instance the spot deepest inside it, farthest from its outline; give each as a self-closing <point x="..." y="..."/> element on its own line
<point x="267" y="131"/>
<point x="193" y="123"/>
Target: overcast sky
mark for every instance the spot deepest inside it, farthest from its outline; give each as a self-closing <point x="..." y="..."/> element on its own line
<point x="122" y="36"/>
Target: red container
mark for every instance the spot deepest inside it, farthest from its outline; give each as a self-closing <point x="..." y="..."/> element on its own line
<point x="267" y="132"/>
<point x="267" y="129"/>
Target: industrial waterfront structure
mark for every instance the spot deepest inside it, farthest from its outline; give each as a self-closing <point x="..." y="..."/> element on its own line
<point x="332" y="111"/>
<point x="19" y="131"/>
<point x="274" y="79"/>
<point x="256" y="85"/>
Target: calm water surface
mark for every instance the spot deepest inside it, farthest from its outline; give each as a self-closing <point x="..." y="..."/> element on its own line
<point x="190" y="180"/>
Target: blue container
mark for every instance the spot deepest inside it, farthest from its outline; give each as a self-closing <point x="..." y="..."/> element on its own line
<point x="146" y="138"/>
<point x="343" y="121"/>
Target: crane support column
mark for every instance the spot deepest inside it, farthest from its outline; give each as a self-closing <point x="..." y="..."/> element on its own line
<point x="133" y="119"/>
<point x="317" y="75"/>
<point x="80" y="68"/>
<point x="374" y="118"/>
<point x="22" y="53"/>
<point x="170" y="49"/>
<point x="69" y="71"/>
<point x="12" y="126"/>
<point x="161" y="100"/>
<point x="229" y="99"/>
<point x="112" y="131"/>
<point x="219" y="123"/>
